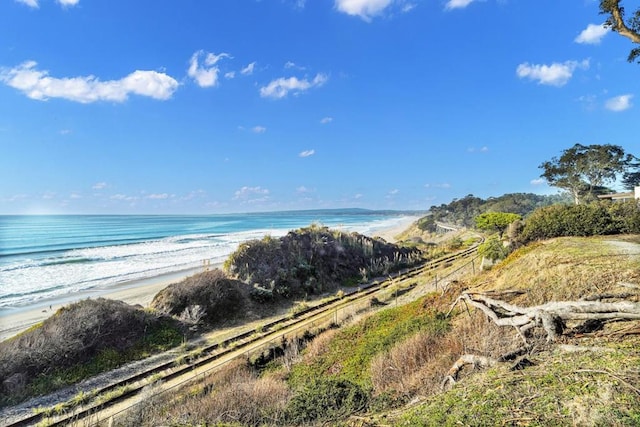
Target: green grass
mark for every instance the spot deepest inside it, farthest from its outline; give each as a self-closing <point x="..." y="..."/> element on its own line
<point x="353" y="348"/>
<point x="589" y="388"/>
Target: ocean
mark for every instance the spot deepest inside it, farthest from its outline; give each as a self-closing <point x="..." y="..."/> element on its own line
<point x="46" y="257"/>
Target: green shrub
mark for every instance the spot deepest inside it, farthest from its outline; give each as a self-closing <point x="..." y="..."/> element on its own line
<point x="209" y="297"/>
<point x="327" y="399"/>
<point x="571" y="220"/>
<point x="313" y="260"/>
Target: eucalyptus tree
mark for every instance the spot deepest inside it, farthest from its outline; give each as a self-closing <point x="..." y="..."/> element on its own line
<point x="583" y="169"/>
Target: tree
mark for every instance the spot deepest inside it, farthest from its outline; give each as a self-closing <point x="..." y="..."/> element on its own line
<point x="631" y="178"/>
<point x="582" y="169"/>
<point x="496" y="221"/>
<point x="616" y="22"/>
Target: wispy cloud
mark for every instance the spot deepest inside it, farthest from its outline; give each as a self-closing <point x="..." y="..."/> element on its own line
<point x="457" y="4"/>
<point x="538" y="181"/>
<point x="248" y="70"/>
<point x="39" y="85"/>
<point x="483" y="149"/>
<point x="443" y="185"/>
<point x="36" y="3"/>
<point x="205" y="74"/>
<point x="99" y="186"/>
<point x="258" y="129"/>
<point x="31" y="3"/>
<point x="252" y="194"/>
<point x="593" y="34"/>
<point x="391" y="194"/>
<point x="556" y="74"/>
<point x="281" y="87"/>
<point x="124" y="198"/>
<point x="326" y="120"/>
<point x="304" y="190"/>
<point x="290" y="64"/>
<point x="229" y="75"/>
<point x="307" y="153"/>
<point x="619" y="103"/>
<point x="158" y="196"/>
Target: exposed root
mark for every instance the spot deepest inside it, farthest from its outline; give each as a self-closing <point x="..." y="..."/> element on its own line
<point x="551" y="316"/>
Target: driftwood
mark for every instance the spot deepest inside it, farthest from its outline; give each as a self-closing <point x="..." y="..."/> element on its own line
<point x="551" y="316"/>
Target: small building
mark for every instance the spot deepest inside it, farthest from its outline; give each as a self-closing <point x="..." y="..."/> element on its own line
<point x="622" y="197"/>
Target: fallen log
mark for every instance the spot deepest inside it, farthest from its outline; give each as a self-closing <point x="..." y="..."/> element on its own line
<point x="552" y="316"/>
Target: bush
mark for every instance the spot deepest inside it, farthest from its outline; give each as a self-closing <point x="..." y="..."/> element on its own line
<point x="570" y="220"/>
<point x="313" y="260"/>
<point x="210" y="297"/>
<point x="327" y="399"/>
<point x="493" y="249"/>
<point x="82" y="339"/>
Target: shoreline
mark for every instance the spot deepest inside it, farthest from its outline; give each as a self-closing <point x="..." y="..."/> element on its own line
<point x="17" y="319"/>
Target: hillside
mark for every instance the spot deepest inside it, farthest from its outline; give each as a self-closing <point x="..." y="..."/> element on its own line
<point x="389" y="367"/>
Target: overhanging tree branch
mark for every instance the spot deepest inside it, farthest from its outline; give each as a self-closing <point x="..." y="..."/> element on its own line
<point x="616" y="21"/>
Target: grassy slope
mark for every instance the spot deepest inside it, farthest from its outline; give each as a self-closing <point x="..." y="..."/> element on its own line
<point x="600" y="387"/>
<point x="586" y="388"/>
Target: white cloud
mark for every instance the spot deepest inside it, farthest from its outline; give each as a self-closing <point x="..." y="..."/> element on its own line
<point x="123" y="197"/>
<point x="443" y="185"/>
<point x="483" y="149"/>
<point x="358" y="196"/>
<point x="248" y="70"/>
<point x="593" y="34"/>
<point x="281" y="87"/>
<point x="35" y="3"/>
<point x="65" y="131"/>
<point x="99" y="185"/>
<point x="365" y="9"/>
<point x="326" y="120"/>
<point x="619" y="103"/>
<point x="31" y="3"/>
<point x="538" y="181"/>
<point x="205" y="74"/>
<point x="229" y="75"/>
<point x="307" y="153"/>
<point x="393" y="192"/>
<point x="252" y="194"/>
<point x="258" y="129"/>
<point x="457" y="4"/>
<point x="75" y="196"/>
<point x="556" y="74"/>
<point x="303" y="190"/>
<point x="39" y="85"/>
<point x="161" y="196"/>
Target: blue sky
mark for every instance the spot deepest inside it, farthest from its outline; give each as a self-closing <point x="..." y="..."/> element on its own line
<point x="160" y="106"/>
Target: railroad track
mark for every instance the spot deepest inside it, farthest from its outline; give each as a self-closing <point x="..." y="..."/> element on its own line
<point x="211" y="356"/>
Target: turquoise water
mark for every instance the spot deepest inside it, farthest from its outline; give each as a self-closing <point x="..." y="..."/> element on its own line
<point x="43" y="257"/>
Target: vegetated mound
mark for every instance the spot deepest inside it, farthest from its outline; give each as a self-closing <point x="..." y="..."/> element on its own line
<point x="209" y="297"/>
<point x="74" y="335"/>
<point x="313" y="260"/>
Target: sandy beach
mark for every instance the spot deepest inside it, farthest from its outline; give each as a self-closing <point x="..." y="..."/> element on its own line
<point x="14" y="321"/>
